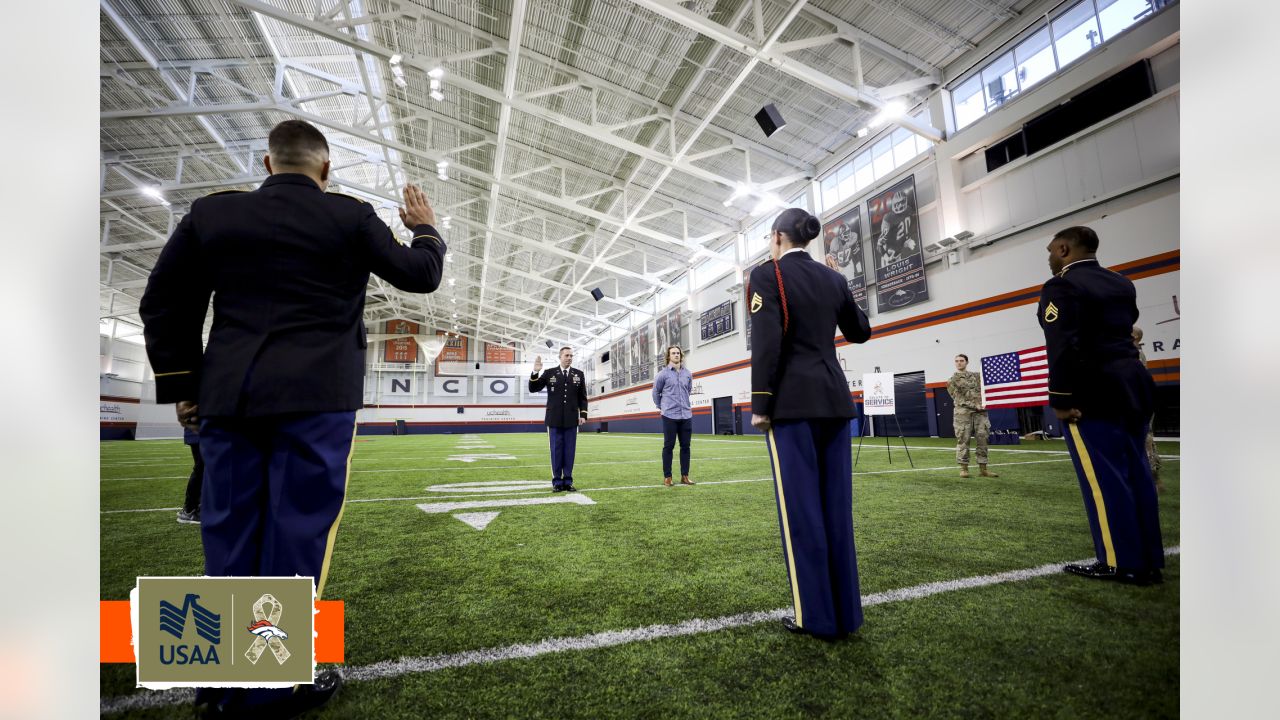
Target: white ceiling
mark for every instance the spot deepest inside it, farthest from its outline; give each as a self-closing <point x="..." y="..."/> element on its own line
<point x="591" y="143"/>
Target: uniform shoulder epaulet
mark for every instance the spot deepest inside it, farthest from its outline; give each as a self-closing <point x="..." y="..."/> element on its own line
<point x="225" y="192"/>
<point x="349" y="197"/>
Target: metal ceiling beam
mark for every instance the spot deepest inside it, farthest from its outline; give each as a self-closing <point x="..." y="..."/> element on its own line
<point x="781" y="62"/>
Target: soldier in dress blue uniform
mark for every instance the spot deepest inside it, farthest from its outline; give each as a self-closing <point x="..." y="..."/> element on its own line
<point x="800" y="400"/>
<point x="566" y="412"/>
<point x="276" y="391"/>
<point x="1103" y="394"/>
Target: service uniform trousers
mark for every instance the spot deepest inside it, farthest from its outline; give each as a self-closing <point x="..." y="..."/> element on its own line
<point x="971" y="425"/>
<point x="1119" y="493"/>
<point x="272" y="498"/>
<point x="564" y="446"/>
<point x="813" y="485"/>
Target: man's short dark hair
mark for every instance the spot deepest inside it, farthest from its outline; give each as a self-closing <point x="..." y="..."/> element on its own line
<point x="566" y="347"/>
<point x="966" y="357"/>
<point x="1080" y="236"/>
<point x="297" y="144"/>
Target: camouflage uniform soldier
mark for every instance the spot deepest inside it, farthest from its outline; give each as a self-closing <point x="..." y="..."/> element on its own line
<point x="970" y="417"/>
<point x="1153" y="457"/>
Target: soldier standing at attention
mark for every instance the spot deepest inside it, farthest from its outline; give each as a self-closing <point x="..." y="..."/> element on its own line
<point x="1103" y="395"/>
<point x="566" y="411"/>
<point x="970" y="417"/>
<point x="274" y="395"/>
<point x="800" y="401"/>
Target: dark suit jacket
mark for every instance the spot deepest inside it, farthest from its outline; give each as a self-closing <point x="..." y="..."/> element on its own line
<point x="566" y="395"/>
<point x="1087" y="313"/>
<point x="794" y="371"/>
<point x="287" y="266"/>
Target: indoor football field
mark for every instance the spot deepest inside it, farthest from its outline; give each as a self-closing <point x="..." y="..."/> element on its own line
<point x="472" y="591"/>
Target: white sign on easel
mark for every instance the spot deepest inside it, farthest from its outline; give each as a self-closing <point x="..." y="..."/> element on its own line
<point x="877" y="394"/>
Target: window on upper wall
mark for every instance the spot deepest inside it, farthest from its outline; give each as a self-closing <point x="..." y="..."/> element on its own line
<point x="844" y="182"/>
<point x="863" y="175"/>
<point x="923" y="118"/>
<point x="1075" y="32"/>
<point x="829" y="196"/>
<point x="1116" y="15"/>
<point x="1034" y="58"/>
<point x="904" y="146"/>
<point x="882" y="157"/>
<point x="999" y="81"/>
<point x="968" y="101"/>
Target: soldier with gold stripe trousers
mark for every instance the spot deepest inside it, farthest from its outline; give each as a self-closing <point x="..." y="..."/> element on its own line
<point x="1103" y="395"/>
<point x="800" y="400"/>
<point x="276" y="391"/>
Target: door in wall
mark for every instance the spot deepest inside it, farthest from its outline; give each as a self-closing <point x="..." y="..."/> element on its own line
<point x="945" y="412"/>
<point x="722" y="415"/>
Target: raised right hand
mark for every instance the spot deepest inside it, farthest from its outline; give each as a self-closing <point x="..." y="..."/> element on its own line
<point x="417" y="208"/>
<point x="537" y="364"/>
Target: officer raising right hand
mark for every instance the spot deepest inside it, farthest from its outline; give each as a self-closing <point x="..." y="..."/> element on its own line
<point x="537" y="364"/>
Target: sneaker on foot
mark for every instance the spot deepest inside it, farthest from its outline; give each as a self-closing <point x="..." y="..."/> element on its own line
<point x="189" y="517"/>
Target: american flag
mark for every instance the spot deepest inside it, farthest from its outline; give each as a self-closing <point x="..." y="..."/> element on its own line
<point x="1016" y="379"/>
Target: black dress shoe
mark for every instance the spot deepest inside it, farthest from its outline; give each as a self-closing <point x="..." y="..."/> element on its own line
<point x="303" y="698"/>
<point x="1139" y="577"/>
<point x="571" y="489"/>
<point x="789" y="623"/>
<point x="1097" y="571"/>
<point x="557" y="489"/>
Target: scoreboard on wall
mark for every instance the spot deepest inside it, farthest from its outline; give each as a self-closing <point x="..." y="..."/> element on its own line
<point x="716" y="322"/>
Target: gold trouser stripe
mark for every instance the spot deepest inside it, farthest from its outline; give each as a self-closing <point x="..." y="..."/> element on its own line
<point x="786" y="528"/>
<point x="177" y="372"/>
<point x="333" y="529"/>
<point x="1087" y="463"/>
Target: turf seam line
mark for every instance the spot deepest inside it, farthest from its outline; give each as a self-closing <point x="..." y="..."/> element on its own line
<point x="413" y="665"/>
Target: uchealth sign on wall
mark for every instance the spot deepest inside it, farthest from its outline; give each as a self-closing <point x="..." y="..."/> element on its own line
<point x="450" y="387"/>
<point x="499" y="387"/>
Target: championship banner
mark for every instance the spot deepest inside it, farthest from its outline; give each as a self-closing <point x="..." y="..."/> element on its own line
<point x="454" y="351"/>
<point x="498" y="387"/>
<point x="499" y="354"/>
<point x="842" y="239"/>
<point x="447" y="387"/>
<point x="401" y="350"/>
<point x="899" y="254"/>
<point x="877" y="394"/>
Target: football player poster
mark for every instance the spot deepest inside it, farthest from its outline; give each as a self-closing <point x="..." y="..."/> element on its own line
<point x="895" y="232"/>
<point x="842" y="239"/>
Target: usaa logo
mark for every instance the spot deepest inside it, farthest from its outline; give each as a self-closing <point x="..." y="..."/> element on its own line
<point x="208" y="627"/>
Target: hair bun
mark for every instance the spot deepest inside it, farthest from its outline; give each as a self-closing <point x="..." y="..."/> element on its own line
<point x="810" y="227"/>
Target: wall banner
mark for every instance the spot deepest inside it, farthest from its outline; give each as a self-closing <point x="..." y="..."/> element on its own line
<point x="898" y="251"/>
<point x="499" y="354"/>
<point x="450" y="387"/>
<point x="499" y="387"/>
<point x="842" y="240"/>
<point x="454" y="351"/>
<point x="401" y="350"/>
<point x="397" y="384"/>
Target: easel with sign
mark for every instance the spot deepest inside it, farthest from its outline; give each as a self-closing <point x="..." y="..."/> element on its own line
<point x="878" y="401"/>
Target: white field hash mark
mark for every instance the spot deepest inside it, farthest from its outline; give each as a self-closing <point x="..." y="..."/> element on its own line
<point x="611" y="638"/>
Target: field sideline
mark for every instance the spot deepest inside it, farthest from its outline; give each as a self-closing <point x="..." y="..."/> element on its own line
<point x="646" y="601"/>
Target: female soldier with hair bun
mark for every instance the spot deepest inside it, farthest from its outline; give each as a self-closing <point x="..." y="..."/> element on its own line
<point x="800" y="401"/>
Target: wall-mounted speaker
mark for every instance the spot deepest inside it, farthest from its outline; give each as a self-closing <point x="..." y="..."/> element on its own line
<point x="770" y="120"/>
<point x="605" y="357"/>
<point x="598" y="294"/>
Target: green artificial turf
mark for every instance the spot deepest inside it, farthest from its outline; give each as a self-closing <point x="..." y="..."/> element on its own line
<point x="418" y="584"/>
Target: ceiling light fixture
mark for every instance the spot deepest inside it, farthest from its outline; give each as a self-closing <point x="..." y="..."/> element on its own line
<point x="435" y="73"/>
<point x="892" y="110"/>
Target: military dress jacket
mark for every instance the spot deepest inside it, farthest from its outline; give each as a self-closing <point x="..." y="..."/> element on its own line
<point x="1087" y="313"/>
<point x="287" y="266"/>
<point x="794" y="370"/>
<point x="965" y="389"/>
<point x="566" y="395"/>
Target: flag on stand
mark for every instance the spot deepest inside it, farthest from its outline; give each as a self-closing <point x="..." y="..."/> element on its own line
<point x="1016" y="379"/>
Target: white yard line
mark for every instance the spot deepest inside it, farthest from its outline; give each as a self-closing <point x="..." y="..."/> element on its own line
<point x="655" y="486"/>
<point x="612" y="638"/>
